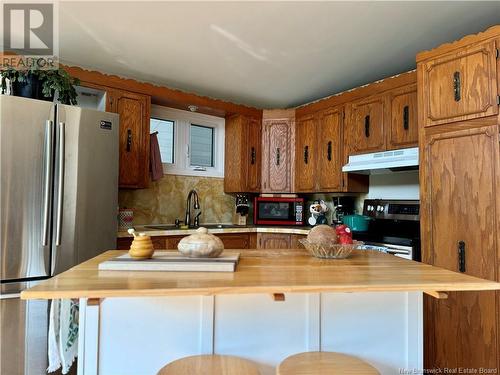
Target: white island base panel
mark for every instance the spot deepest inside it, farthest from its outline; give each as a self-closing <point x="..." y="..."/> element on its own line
<point x="138" y="336"/>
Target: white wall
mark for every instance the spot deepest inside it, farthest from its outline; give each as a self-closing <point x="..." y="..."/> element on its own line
<point x="402" y="185"/>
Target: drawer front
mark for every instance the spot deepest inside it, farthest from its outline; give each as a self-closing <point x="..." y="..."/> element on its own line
<point x="235" y="241"/>
<point x="459" y="86"/>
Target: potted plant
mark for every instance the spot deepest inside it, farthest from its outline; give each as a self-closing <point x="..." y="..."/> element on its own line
<point x="41" y="84"/>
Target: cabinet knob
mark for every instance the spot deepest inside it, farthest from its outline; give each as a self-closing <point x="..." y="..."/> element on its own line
<point x="406" y="117"/>
<point x="461" y="256"/>
<point x="129" y="140"/>
<point x="457" y="86"/>
<point x="367" y="126"/>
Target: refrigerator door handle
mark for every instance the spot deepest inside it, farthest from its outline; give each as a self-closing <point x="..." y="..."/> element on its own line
<point x="49" y="135"/>
<point x="60" y="182"/>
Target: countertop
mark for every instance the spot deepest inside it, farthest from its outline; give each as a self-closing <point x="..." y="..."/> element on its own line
<point x="245" y="229"/>
<point x="269" y="271"/>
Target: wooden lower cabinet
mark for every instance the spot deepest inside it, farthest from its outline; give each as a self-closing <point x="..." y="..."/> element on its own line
<point x="278" y="241"/>
<point x="460" y="211"/>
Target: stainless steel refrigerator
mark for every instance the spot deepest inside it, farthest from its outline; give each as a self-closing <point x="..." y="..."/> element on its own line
<point x="59" y="197"/>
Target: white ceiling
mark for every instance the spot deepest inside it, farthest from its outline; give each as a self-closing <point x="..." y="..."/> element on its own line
<point x="268" y="55"/>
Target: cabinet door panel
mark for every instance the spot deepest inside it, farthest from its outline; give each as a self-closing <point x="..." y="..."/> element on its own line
<point x="234" y="156"/>
<point x="460" y="86"/>
<point x="460" y="171"/>
<point x="366" y="127"/>
<point x="273" y="241"/>
<point x="254" y="162"/>
<point x="403" y="130"/>
<point x="305" y="155"/>
<point x="134" y="138"/>
<point x="277" y="157"/>
<point x="329" y="151"/>
<point x="235" y="241"/>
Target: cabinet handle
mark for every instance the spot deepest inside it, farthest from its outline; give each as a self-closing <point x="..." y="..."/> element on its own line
<point x="129" y="140"/>
<point x="367" y="126"/>
<point x="252" y="156"/>
<point x="278" y="156"/>
<point x="457" y="86"/>
<point x="329" y="151"/>
<point x="306" y="154"/>
<point x="406" y="117"/>
<point x="461" y="256"/>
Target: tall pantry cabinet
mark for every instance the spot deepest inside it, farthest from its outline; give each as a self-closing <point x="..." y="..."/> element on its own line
<point x="458" y="88"/>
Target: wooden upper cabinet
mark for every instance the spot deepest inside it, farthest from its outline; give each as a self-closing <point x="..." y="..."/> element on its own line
<point x="306" y="161"/>
<point x="330" y="156"/>
<point x="242" y="157"/>
<point x="403" y="129"/>
<point x="134" y="111"/>
<point x="459" y="85"/>
<point x="254" y="154"/>
<point x="366" y="125"/>
<point x="459" y="217"/>
<point x="276" y="168"/>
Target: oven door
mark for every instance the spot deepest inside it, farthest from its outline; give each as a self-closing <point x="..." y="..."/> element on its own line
<point x="278" y="212"/>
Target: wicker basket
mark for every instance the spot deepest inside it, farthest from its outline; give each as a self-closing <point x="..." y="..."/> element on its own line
<point x="330" y="250"/>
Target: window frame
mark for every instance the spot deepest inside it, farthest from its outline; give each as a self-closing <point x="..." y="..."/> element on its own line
<point x="182" y="139"/>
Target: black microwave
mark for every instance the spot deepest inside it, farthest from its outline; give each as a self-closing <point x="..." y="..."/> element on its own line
<point x="278" y="211"/>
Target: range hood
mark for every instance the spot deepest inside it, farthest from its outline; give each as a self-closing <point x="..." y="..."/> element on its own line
<point x="383" y="162"/>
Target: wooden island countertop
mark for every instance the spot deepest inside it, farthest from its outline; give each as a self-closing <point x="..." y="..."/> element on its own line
<point x="269" y="271"/>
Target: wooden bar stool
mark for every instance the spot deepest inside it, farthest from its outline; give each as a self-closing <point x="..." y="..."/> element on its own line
<point x="324" y="363"/>
<point x="210" y="365"/>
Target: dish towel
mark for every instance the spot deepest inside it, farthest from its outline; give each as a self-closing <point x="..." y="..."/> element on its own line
<point x="155" y="165"/>
<point x="63" y="334"/>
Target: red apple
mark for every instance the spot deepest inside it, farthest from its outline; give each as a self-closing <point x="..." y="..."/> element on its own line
<point x="345" y="239"/>
<point x="343" y="230"/>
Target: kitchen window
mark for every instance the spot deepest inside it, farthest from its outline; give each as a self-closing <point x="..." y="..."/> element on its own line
<point x="191" y="143"/>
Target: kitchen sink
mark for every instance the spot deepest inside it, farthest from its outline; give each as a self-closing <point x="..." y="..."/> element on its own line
<point x="162" y="226"/>
<point x="208" y="226"/>
<point x="220" y="226"/>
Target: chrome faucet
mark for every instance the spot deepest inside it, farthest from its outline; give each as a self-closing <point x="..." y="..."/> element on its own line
<point x="187" y="219"/>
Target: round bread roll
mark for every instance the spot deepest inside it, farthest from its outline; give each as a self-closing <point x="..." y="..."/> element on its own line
<point x="321" y="234"/>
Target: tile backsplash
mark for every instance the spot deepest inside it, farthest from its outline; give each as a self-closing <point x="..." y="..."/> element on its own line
<point x="165" y="200"/>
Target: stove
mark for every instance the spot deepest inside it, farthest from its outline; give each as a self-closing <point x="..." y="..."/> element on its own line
<point x="394" y="228"/>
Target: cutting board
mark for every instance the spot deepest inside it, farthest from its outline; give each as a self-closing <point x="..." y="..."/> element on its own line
<point x="172" y="261"/>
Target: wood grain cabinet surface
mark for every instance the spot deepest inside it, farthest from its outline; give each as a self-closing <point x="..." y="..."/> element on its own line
<point x="306" y="162"/>
<point x="243" y="156"/>
<point x="459" y="85"/>
<point x="366" y="124"/>
<point x="460" y="232"/>
<point x="459" y="194"/>
<point x="277" y="144"/>
<point x="330" y="150"/>
<point x="402" y="131"/>
<point x="134" y="110"/>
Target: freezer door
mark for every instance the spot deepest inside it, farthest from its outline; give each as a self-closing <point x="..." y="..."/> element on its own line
<point x="86" y="185"/>
<point x="26" y="151"/>
<point x="23" y="335"/>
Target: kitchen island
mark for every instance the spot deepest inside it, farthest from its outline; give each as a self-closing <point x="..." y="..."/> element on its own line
<point x="277" y="303"/>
